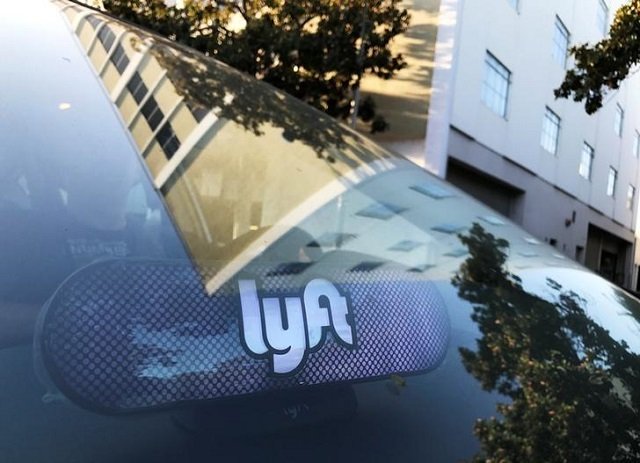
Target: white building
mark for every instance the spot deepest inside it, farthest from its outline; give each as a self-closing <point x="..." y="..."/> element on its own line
<point x="496" y="130"/>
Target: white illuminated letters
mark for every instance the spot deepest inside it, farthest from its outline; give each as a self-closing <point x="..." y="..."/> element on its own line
<point x="287" y="333"/>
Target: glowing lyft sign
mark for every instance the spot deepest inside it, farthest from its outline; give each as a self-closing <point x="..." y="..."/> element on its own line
<point x="287" y="342"/>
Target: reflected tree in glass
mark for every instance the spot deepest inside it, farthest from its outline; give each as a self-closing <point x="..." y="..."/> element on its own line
<point x="571" y="390"/>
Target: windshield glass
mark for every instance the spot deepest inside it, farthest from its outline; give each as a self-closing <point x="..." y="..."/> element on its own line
<point x="197" y="266"/>
<point x="233" y="180"/>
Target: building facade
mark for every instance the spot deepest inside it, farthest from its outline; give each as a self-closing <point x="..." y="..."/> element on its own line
<point x="496" y="130"/>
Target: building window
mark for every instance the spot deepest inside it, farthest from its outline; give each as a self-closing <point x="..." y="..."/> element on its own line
<point x="168" y="140"/>
<point x="611" y="182"/>
<point x="495" y="89"/>
<point x="198" y="112"/>
<point x="603" y="17"/>
<point x="631" y="196"/>
<point x="619" y="118"/>
<point x="550" y="131"/>
<point x="119" y="59"/>
<point x="636" y="144"/>
<point x="106" y="37"/>
<point x="95" y="22"/>
<point x="152" y="112"/>
<point x="560" y="42"/>
<point x="586" y="161"/>
<point x="136" y="87"/>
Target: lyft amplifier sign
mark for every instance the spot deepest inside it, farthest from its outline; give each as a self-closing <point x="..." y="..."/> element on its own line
<point x="285" y="330"/>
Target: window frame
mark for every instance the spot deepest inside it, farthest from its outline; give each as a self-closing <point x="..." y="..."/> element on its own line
<point x="602" y="17"/>
<point x="631" y="197"/>
<point x="618" y="120"/>
<point x="137" y="88"/>
<point x="152" y="113"/>
<point x="560" y="51"/>
<point x="106" y="37"/>
<point x="612" y="181"/>
<point x="119" y="58"/>
<point x="548" y="121"/>
<point x="589" y="152"/>
<point x="497" y="69"/>
<point x="168" y="140"/>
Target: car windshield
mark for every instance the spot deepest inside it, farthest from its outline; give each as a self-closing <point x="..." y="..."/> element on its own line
<point x="197" y="266"/>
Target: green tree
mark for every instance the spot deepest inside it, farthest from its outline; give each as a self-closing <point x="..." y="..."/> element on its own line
<point x="604" y="65"/>
<point x="316" y="50"/>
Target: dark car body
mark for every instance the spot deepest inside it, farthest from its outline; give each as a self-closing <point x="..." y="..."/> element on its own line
<point x="197" y="267"/>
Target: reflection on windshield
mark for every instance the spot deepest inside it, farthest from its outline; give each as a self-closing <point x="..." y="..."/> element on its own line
<point x="238" y="164"/>
<point x="573" y="389"/>
<point x="134" y="329"/>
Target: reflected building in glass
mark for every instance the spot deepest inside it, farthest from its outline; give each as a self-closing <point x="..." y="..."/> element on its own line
<point x="230" y="195"/>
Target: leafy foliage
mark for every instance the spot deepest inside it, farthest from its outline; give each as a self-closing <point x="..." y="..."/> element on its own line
<point x="573" y="390"/>
<point x="606" y="64"/>
<point x="316" y="50"/>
